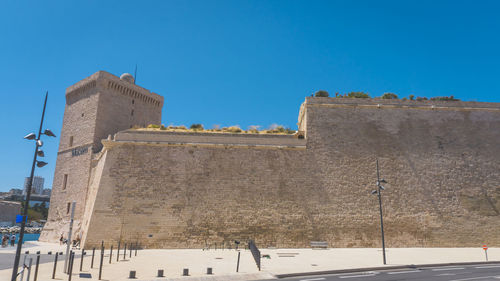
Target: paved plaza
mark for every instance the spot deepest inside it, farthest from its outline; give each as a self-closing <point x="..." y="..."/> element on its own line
<point x="224" y="262"/>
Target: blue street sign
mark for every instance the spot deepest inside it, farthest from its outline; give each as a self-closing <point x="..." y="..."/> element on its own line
<point x="19" y="218"/>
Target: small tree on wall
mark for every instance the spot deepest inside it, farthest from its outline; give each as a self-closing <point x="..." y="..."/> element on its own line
<point x="196" y="127"/>
<point x="358" y="95"/>
<point x="389" y="96"/>
<point x="321" y="93"/>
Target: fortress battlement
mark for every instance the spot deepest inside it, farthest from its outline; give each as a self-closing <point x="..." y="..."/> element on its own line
<point x="207" y="139"/>
<point x="109" y="81"/>
<point x="187" y="189"/>
<point x="399" y="103"/>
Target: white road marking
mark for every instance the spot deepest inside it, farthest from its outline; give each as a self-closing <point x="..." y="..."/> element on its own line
<point x="352" y="276"/>
<point x="313" y="279"/>
<point x="488" y="266"/>
<point x="445" y="274"/>
<point x="477" y="278"/>
<point x="448" y="268"/>
<point x="400" y="272"/>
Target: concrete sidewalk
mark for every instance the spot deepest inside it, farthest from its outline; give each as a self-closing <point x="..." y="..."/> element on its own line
<point x="223" y="262"/>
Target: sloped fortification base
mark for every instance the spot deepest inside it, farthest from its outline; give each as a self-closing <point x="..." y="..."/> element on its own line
<point x="442" y="164"/>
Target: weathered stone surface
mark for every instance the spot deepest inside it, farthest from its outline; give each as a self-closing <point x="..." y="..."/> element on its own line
<point x="178" y="190"/>
<point x="8" y="212"/>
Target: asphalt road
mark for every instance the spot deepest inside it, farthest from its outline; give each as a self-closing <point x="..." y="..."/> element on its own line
<point x="445" y="273"/>
<point x="7" y="259"/>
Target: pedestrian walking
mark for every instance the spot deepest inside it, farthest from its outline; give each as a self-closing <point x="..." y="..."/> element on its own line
<point x="13" y="239"/>
<point x="61" y="239"/>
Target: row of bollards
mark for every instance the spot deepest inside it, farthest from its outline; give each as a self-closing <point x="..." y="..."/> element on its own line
<point x="69" y="269"/>
<point x="185" y="272"/>
<point x="29" y="265"/>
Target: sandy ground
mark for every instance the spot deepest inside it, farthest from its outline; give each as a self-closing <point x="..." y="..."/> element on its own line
<point x="224" y="262"/>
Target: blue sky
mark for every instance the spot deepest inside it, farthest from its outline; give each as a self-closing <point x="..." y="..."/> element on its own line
<point x="236" y="62"/>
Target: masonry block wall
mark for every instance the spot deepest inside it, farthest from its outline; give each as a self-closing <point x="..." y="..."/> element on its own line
<point x="8" y="212"/>
<point x="96" y="106"/>
<point x="441" y="161"/>
<point x="188" y="190"/>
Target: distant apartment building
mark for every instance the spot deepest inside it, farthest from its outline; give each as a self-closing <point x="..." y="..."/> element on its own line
<point x="37" y="186"/>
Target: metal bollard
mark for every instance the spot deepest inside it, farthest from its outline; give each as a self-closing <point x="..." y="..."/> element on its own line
<point x="130" y="256"/>
<point x="29" y="270"/>
<point x="110" y="253"/>
<point x="136" y="246"/>
<point x="131" y="274"/>
<point x="209" y="271"/>
<point x="118" y="252"/>
<point x="66" y="265"/>
<point x="71" y="261"/>
<point x="55" y="265"/>
<point x="92" y="261"/>
<point x="238" y="264"/>
<point x="124" y="251"/>
<point x="160" y="273"/>
<point x="185" y="272"/>
<point x="102" y="258"/>
<point x="81" y="259"/>
<point x="24" y="267"/>
<point x="36" y="268"/>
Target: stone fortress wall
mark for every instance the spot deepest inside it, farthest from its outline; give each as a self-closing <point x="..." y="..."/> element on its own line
<point x="8" y="212"/>
<point x="96" y="106"/>
<point x="186" y="190"/>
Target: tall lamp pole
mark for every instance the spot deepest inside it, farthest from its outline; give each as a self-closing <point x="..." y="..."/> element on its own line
<point x="379" y="194"/>
<point x="39" y="164"/>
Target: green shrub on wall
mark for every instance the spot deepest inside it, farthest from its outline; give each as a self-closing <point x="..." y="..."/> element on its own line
<point x="196" y="127"/>
<point x="321" y="93"/>
<point x="450" y="98"/>
<point x="358" y="95"/>
<point x="389" y="96"/>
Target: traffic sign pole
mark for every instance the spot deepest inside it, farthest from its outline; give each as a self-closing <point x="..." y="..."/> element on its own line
<point x="485" y="248"/>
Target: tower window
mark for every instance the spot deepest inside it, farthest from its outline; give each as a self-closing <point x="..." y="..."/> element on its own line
<point x="65" y="181"/>
<point x="67" y="208"/>
<point x="133" y="101"/>
<point x="71" y="141"/>
<point x="83" y="114"/>
<point x="132" y="113"/>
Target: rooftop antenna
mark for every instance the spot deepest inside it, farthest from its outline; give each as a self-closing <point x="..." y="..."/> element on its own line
<point x="135" y="74"/>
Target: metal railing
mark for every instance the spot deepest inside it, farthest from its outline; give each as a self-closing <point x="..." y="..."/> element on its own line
<point x="255" y="252"/>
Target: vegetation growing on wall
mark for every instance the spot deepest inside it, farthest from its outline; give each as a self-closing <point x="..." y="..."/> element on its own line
<point x="235" y="129"/>
<point x="196" y="127"/>
<point x="450" y="98"/>
<point x="389" y="96"/>
<point x="321" y="93"/>
<point x="358" y="95"/>
<point x="384" y="96"/>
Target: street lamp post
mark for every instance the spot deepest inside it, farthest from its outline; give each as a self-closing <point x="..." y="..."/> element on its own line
<point x="39" y="164"/>
<point x="379" y="194"/>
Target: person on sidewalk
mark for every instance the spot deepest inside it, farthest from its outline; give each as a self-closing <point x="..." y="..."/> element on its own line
<point x="13" y="239"/>
<point x="5" y="240"/>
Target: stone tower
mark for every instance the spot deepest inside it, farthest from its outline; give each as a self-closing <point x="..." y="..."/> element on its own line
<point x="97" y="106"/>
